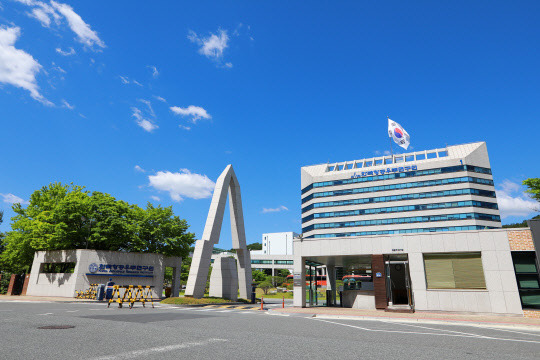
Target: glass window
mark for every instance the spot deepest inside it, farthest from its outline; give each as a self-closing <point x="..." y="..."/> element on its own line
<point x="420" y="157"/>
<point x="399" y="159"/>
<point x="58" y="268"/>
<point x="283" y="262"/>
<point x="431" y="155"/>
<point x="524" y="262"/>
<point x="340" y="167"/>
<point x="409" y="158"/>
<point x="527" y="278"/>
<point x="261" y="262"/>
<point x="369" y="163"/>
<point x="454" y="271"/>
<point x="349" y="166"/>
<point x="378" y="162"/>
<point x="388" y="160"/>
<point x="358" y="165"/>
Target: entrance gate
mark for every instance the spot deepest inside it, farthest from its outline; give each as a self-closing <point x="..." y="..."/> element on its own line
<point x="398" y="284"/>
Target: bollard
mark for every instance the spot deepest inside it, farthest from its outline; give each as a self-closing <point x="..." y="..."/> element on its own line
<point x="262" y="302"/>
<point x="283" y="305"/>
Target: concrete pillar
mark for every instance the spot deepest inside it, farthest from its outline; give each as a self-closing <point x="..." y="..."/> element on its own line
<point x="224" y="279"/>
<point x="11" y="284"/>
<point x="331" y="282"/>
<point x="379" y="282"/>
<point x="25" y="285"/>
<point x="299" y="282"/>
<point x="175" y="288"/>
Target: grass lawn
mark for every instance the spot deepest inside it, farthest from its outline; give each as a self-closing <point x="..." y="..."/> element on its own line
<point x="193" y="301"/>
<point x="260" y="292"/>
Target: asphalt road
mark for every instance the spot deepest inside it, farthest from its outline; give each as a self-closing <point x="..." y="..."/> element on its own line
<point x="220" y="333"/>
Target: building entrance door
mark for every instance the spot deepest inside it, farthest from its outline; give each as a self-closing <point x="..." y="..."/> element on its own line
<point x="398" y="283"/>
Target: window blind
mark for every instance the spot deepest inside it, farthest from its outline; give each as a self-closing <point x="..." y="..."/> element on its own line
<point x="454" y="271"/>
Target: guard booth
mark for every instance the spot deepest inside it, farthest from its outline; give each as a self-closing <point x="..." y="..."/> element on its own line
<point x="359" y="281"/>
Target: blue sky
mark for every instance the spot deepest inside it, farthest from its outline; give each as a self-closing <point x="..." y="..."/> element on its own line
<point x="150" y="102"/>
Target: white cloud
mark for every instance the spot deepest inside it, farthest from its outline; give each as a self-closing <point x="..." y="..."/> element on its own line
<point x="195" y="112"/>
<point x="212" y="46"/>
<point x="84" y="33"/>
<point x="183" y="184"/>
<point x="155" y="72"/>
<point x="184" y="127"/>
<point x="149" y="105"/>
<point x="41" y="16"/>
<point x="155" y="198"/>
<point x="146" y="124"/>
<point x="12" y="199"/>
<point x="126" y="80"/>
<point x="228" y="65"/>
<point x="139" y="169"/>
<point x="159" y="98"/>
<point x="66" y="53"/>
<point x="58" y="68"/>
<point x="271" y="210"/>
<point x="42" y="12"/>
<point x="514" y="202"/>
<point x="67" y="105"/>
<point x="17" y="67"/>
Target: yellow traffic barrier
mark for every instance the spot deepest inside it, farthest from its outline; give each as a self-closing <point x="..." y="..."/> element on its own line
<point x="89" y="293"/>
<point x="131" y="294"/>
<point x="141" y="294"/>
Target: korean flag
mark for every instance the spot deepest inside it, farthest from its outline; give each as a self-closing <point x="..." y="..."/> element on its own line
<point x="398" y="133"/>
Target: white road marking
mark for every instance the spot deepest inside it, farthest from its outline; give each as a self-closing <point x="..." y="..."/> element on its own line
<point x="224" y="311"/>
<point x="26" y="301"/>
<point x="151" y="351"/>
<point x="429" y="328"/>
<point x="46" y="314"/>
<point x="426" y="333"/>
<point x="72" y="310"/>
<point x="6" y="310"/>
<point x="205" y="310"/>
<point x="512" y="331"/>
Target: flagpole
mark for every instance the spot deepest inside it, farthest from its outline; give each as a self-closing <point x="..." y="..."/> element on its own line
<point x="390" y="138"/>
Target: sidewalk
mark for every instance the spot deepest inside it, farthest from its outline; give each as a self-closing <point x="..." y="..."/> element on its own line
<point x="27" y="298"/>
<point x="440" y="317"/>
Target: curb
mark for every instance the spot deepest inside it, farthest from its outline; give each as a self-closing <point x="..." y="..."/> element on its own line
<point x="202" y="305"/>
<point x="485" y="324"/>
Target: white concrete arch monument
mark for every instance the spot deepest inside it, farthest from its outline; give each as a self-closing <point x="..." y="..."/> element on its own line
<point x="221" y="280"/>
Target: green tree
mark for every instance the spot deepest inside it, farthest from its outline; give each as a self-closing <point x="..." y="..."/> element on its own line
<point x="258" y="276"/>
<point x="283" y="273"/>
<point x="266" y="285"/>
<point x="1" y="236"/>
<point x="254" y="246"/>
<point x="533" y="185"/>
<point x="278" y="280"/>
<point x="522" y="224"/>
<point x="61" y="217"/>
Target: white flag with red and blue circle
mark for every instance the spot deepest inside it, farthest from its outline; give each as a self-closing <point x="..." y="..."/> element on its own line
<point x="398" y="134"/>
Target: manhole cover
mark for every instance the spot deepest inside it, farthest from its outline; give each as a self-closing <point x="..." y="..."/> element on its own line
<point x="56" y="327"/>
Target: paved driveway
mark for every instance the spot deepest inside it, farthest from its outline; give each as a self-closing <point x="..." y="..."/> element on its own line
<point x="165" y="332"/>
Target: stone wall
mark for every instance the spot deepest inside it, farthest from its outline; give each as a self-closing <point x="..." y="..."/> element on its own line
<point x="520" y="240"/>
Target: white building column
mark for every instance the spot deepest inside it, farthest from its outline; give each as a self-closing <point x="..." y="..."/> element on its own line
<point x="331" y="282"/>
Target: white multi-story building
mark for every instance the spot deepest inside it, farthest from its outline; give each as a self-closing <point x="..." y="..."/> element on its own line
<point x="277" y="244"/>
<point x="276" y="253"/>
<point x="414" y="231"/>
<point x="448" y="189"/>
